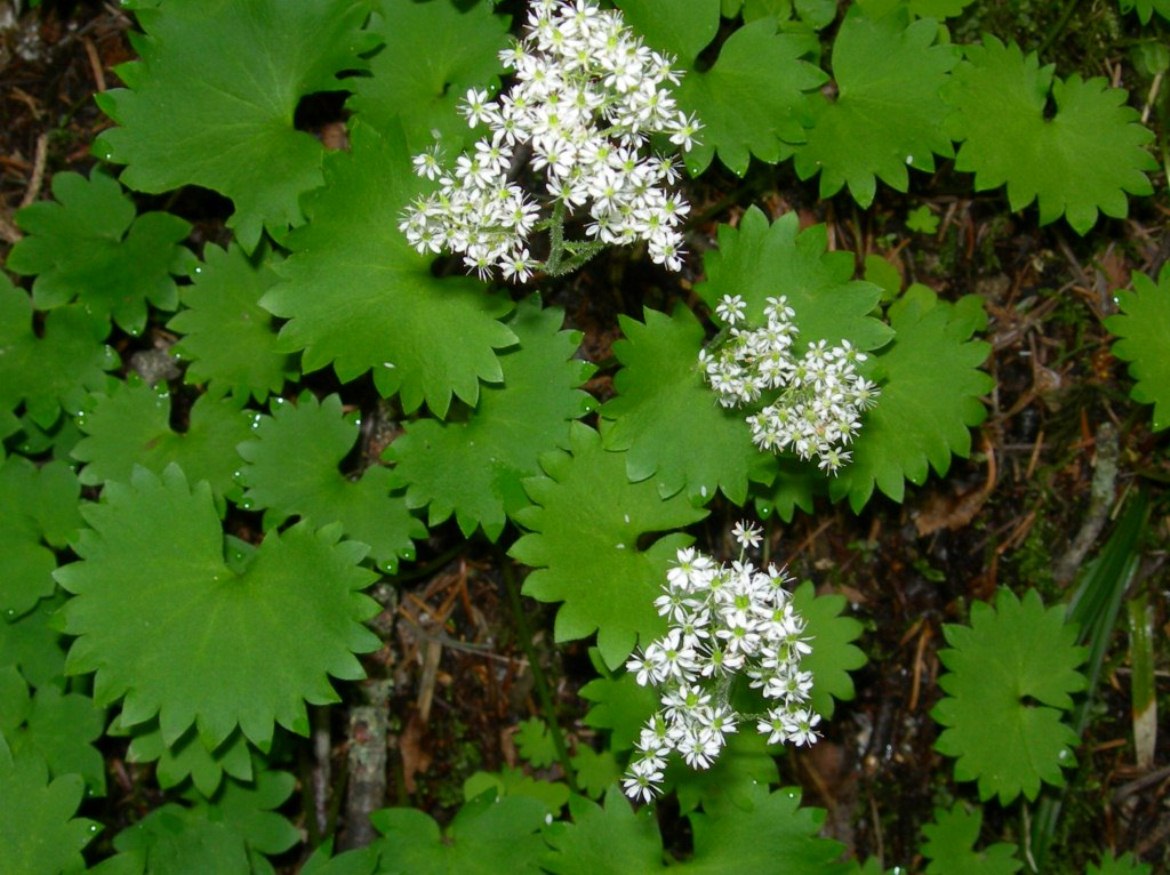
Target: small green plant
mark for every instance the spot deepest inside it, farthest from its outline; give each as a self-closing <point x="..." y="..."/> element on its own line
<point x="189" y="566"/>
<point x="1014" y="668"/>
<point x="1142" y="327"/>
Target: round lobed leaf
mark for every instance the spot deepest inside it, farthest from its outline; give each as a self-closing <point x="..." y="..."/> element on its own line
<point x="1143" y="325"/>
<point x="584" y="542"/>
<point x="1082" y="160"/>
<point x="212" y="102"/>
<point x="205" y="644"/>
<point x="90" y="247"/>
<point x="1013" y="668"/>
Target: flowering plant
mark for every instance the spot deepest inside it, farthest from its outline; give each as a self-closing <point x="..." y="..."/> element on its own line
<point x="587" y="98"/>
<point x="818" y="409"/>
<point x="725" y="620"/>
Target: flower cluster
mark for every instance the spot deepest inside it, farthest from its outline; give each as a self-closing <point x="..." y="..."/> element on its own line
<point x="821" y="396"/>
<point x="724" y="620"/>
<point x="587" y="96"/>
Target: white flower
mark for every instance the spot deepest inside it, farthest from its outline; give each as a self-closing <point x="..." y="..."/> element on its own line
<point x="427" y="163"/>
<point x="587" y="96"/>
<point x="731" y="309"/>
<point x="518" y="266"/>
<point x="475" y="106"/>
<point x="746" y="534"/>
<point x="643" y="780"/>
<point x="820" y="397"/>
<point x="723" y="619"/>
<point x="799" y="726"/>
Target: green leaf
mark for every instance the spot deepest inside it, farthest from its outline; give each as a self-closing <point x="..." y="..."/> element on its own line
<point x="212" y="101"/>
<point x="620" y="704"/>
<point x="131" y="425"/>
<point x="90" y="247"/>
<point x="817" y="14"/>
<point x="666" y="419"/>
<point x="228" y="833"/>
<point x="922" y="220"/>
<point x="292" y="470"/>
<point x="595" y="770"/>
<point x="772" y="834"/>
<point x="513" y="782"/>
<point x="689" y="27"/>
<point x="432" y="54"/>
<point x="1146" y="8"/>
<point x="833" y="653"/>
<point x="360" y="862"/>
<point x="1013" y="668"/>
<point x="950" y="846"/>
<point x="888" y="78"/>
<point x="228" y="337"/>
<point x="359" y="296"/>
<point x="488" y="836"/>
<point x="1082" y="159"/>
<point x="40" y="834"/>
<point x="584" y="543"/>
<point x="535" y="743"/>
<point x="796" y="485"/>
<point x="609" y="840"/>
<point x="759" y="260"/>
<point x="241" y="637"/>
<point x="930" y="397"/>
<point x="1142" y="327"/>
<point x="58" y="727"/>
<point x="1127" y="863"/>
<point x="32" y="441"/>
<point x="51" y="366"/>
<point x="32" y="644"/>
<point x="38" y="506"/>
<point x="745" y="765"/>
<point x="187" y="756"/>
<point x="754" y="100"/>
<point x="781" y="10"/>
<point x="938" y="8"/>
<point x="476" y="467"/>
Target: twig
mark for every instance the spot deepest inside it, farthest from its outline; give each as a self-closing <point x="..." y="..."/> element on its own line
<point x="1152" y="96"/>
<point x="366" y="790"/>
<point x="9" y="233"/>
<point x="95" y="64"/>
<point x="919" y="651"/>
<point x="322" y="769"/>
<point x="1101" y="497"/>
<point x="1138" y="784"/>
<point x="38" y="173"/>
